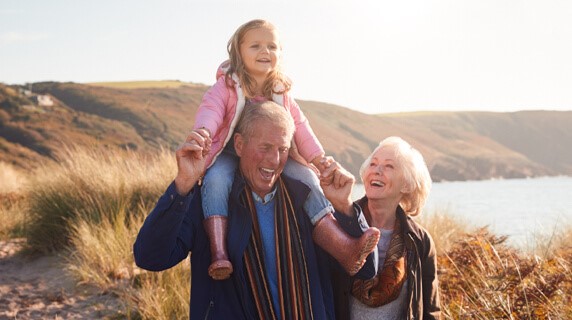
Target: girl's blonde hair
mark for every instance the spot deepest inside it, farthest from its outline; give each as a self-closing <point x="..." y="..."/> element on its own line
<point x="415" y="173"/>
<point x="276" y="79"/>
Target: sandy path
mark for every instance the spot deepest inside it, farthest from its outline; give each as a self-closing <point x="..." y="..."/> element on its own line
<point x="38" y="288"/>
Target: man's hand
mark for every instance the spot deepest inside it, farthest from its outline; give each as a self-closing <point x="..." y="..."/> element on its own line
<point x="337" y="184"/>
<point x="191" y="158"/>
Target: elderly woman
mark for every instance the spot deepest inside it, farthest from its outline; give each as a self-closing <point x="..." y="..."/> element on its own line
<point x="397" y="183"/>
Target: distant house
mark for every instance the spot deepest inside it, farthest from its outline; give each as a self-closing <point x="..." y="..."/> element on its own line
<point x="44" y="100"/>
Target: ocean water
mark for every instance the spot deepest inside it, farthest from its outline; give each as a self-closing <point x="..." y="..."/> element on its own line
<point x="522" y="209"/>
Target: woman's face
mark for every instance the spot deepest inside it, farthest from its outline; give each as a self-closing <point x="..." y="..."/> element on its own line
<point x="383" y="177"/>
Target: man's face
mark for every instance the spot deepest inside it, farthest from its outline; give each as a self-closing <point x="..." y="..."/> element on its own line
<point x="263" y="156"/>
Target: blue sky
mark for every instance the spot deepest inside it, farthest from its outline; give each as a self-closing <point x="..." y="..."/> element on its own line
<point x="372" y="56"/>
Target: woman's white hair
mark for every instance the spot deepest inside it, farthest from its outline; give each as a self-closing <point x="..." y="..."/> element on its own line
<point x="415" y="173"/>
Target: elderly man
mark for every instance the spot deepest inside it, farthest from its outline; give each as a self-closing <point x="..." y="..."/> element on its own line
<point x="279" y="272"/>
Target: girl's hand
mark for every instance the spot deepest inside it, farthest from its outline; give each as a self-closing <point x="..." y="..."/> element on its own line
<point x="201" y="138"/>
<point x="323" y="163"/>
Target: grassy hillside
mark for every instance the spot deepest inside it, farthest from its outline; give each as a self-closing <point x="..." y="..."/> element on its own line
<point x="147" y="115"/>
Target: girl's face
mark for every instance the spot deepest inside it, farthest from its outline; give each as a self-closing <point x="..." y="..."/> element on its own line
<point x="260" y="52"/>
<point x="383" y="178"/>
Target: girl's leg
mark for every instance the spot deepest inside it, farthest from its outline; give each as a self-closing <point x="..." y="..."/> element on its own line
<point x="350" y="252"/>
<point x="316" y="206"/>
<point x="217" y="183"/>
<point x="215" y="190"/>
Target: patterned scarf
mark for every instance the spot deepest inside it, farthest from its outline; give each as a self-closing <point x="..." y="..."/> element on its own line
<point x="386" y="285"/>
<point x="293" y="281"/>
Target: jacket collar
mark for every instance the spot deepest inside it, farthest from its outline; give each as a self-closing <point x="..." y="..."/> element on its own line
<point x="297" y="189"/>
<point x="408" y="225"/>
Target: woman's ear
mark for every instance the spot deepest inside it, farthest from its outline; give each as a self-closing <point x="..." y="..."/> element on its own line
<point x="238" y="144"/>
<point x="406" y="189"/>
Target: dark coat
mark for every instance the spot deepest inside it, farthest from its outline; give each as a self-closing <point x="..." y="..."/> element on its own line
<point x="174" y="228"/>
<point x="423" y="286"/>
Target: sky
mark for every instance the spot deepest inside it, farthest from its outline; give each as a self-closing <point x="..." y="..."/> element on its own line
<point x="375" y="56"/>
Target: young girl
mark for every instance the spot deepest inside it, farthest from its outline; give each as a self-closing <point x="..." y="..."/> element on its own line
<point x="252" y="74"/>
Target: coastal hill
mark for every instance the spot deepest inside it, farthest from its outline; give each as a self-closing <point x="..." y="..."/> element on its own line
<point x="36" y="124"/>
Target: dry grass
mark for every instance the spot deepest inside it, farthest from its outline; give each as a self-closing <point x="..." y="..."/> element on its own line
<point x="90" y="184"/>
<point x="114" y="236"/>
<point x="113" y="194"/>
<point x="483" y="278"/>
<point x="546" y="244"/>
<point x="444" y="227"/>
<point x="163" y="295"/>
<point x="12" y="180"/>
<point x="102" y="256"/>
<point x="12" y="217"/>
<point x="12" y="204"/>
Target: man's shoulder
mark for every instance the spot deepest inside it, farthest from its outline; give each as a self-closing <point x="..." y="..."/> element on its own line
<point x="295" y="187"/>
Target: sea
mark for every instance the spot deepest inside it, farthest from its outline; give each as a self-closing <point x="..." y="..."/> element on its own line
<point x="522" y="209"/>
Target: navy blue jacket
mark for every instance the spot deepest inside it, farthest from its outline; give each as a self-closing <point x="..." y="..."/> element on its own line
<point x="174" y="228"/>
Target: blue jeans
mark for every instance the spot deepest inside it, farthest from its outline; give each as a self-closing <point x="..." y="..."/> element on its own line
<point x="218" y="179"/>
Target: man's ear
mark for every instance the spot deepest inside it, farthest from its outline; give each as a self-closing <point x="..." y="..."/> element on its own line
<point x="238" y="144"/>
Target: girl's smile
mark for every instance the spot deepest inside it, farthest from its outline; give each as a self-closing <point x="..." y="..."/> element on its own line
<point x="260" y="52"/>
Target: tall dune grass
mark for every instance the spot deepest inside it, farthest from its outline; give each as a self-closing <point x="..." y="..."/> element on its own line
<point x="120" y="189"/>
<point x="444" y="227"/>
<point x="101" y="255"/>
<point x="91" y="184"/>
<point x="12" y="180"/>
<point x="162" y="295"/>
<point x="12" y="204"/>
<point x="547" y="243"/>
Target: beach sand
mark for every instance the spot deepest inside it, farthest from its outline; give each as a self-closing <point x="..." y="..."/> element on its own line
<point x="38" y="287"/>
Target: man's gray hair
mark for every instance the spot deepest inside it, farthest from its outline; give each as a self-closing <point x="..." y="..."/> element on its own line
<point x="264" y="111"/>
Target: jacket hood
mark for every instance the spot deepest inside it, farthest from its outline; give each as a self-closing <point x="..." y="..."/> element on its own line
<point x="223" y="69"/>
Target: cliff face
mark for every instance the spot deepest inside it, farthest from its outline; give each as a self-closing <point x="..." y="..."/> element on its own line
<point x="456" y="145"/>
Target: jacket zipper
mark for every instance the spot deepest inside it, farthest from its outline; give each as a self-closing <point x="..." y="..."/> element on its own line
<point x="211" y="305"/>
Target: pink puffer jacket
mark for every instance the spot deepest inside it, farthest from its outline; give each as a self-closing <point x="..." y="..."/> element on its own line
<point x="222" y="105"/>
